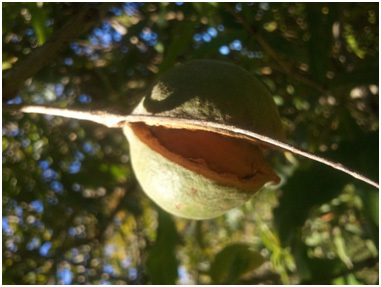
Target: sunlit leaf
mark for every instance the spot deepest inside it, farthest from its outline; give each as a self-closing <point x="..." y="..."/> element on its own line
<point x="352" y="42"/>
<point x="39" y="22"/>
<point x="349" y="279"/>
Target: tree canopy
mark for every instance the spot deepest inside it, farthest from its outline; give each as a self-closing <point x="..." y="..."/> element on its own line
<point x="73" y="211"/>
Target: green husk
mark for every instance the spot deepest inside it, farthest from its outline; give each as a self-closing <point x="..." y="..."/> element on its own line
<point x="205" y="90"/>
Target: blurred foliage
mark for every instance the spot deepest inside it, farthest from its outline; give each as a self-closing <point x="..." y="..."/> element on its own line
<point x="234" y="261"/>
<point x="73" y="212"/>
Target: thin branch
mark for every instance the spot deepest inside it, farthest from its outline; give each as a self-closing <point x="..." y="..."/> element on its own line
<point x="100" y="117"/>
<point x="285" y="66"/>
<point x="117" y="121"/>
<point x="88" y="16"/>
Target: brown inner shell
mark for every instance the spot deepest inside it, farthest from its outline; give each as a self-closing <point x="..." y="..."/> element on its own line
<point x="226" y="160"/>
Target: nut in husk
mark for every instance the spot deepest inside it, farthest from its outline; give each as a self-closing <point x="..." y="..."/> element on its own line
<point x="195" y="173"/>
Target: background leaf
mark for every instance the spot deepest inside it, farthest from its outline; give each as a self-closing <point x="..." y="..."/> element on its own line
<point x="39" y="19"/>
<point x="234" y="261"/>
<point x="307" y="188"/>
<point x="162" y="263"/>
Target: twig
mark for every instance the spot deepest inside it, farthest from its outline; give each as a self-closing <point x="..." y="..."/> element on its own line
<point x="87" y="17"/>
<point x="117" y="121"/>
<point x="101" y="117"/>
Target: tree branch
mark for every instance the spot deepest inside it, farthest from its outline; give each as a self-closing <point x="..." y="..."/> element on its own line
<point x="285" y="66"/>
<point x="87" y="17"/>
<point x="100" y="117"/>
<point x="118" y="121"/>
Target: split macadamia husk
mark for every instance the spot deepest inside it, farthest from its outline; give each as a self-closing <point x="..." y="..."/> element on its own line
<point x="195" y="173"/>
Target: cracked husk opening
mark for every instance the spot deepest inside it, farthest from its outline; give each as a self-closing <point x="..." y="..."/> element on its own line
<point x="223" y="159"/>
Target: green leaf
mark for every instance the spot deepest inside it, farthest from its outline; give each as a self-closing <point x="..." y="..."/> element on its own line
<point x="308" y="187"/>
<point x="352" y="42"/>
<point x="39" y="18"/>
<point x="370" y="201"/>
<point x="179" y="44"/>
<point x="162" y="263"/>
<point x="234" y="261"/>
<point x="315" y="270"/>
<point x="360" y="154"/>
<point x="314" y="184"/>
<point x="349" y="279"/>
<point x="205" y="8"/>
